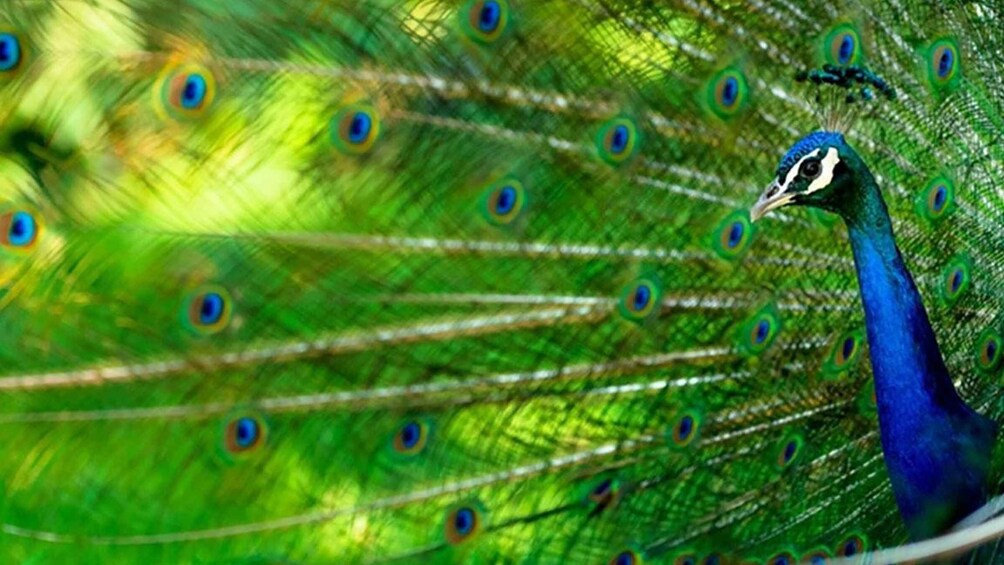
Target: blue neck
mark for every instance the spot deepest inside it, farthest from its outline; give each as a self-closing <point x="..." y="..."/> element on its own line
<point x="937" y="449"/>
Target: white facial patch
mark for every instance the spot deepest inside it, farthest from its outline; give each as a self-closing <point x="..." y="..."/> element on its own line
<point x="828" y="164"/>
<point x="826" y="175"/>
<point x="793" y="172"/>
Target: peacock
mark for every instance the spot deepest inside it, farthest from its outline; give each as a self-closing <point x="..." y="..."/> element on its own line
<point x="498" y="281"/>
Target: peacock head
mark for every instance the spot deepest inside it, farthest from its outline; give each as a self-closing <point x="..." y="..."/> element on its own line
<point x="817" y="171"/>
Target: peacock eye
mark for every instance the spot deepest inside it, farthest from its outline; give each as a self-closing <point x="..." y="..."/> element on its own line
<point x="411" y="437"/>
<point x="10" y="52"/>
<point x="810" y="169"/>
<point x="184" y="92"/>
<point x="208" y="311"/>
<point x="462" y="523"/>
<point x="604" y="493"/>
<point x="244" y="434"/>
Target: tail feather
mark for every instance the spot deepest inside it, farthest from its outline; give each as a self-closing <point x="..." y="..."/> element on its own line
<point x="365" y="281"/>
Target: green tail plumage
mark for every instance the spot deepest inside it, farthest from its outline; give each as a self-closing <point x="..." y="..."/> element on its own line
<point x="444" y="281"/>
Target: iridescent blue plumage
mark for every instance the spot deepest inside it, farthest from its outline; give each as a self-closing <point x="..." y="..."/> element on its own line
<point x="10" y="51"/>
<point x="937" y="449"/>
<point x="194" y="92"/>
<point x="22" y="229"/>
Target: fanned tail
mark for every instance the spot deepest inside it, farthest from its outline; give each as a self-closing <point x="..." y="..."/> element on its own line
<point x="454" y="281"/>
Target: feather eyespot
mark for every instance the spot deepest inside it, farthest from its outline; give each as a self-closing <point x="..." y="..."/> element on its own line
<point x="956" y="279"/>
<point x="19" y="230"/>
<point x="783" y="558"/>
<point x="733" y="235"/>
<point x="604" y="493"/>
<point x="788" y="451"/>
<point x="842" y="46"/>
<point x="462" y="523"/>
<point x="937" y="200"/>
<point x="640" y="299"/>
<point x="939" y="196"/>
<point x="617" y="140"/>
<point x="503" y="201"/>
<point x="788" y="454"/>
<point x="489" y="16"/>
<point x="847" y="348"/>
<point x="943" y="63"/>
<point x="601" y="492"/>
<point x="627" y="557"/>
<point x="846" y="48"/>
<point x="686" y="429"/>
<point x="191" y="92"/>
<point x="759" y="332"/>
<point x="817" y="557"/>
<point x="853" y="545"/>
<point x="989" y="349"/>
<point x="485" y="20"/>
<point x="727" y="93"/>
<point x="354" y="129"/>
<point x="685" y="559"/>
<point x="712" y="559"/>
<point x="209" y="310"/>
<point x="11" y="52"/>
<point x="185" y="92"/>
<point x="844" y="352"/>
<point x="411" y="438"/>
<point x="682" y="431"/>
<point x="243" y="434"/>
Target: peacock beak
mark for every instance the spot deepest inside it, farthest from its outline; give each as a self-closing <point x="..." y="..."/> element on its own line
<point x="773" y="196"/>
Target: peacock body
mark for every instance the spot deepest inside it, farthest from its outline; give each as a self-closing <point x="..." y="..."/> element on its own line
<point x="440" y="281"/>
